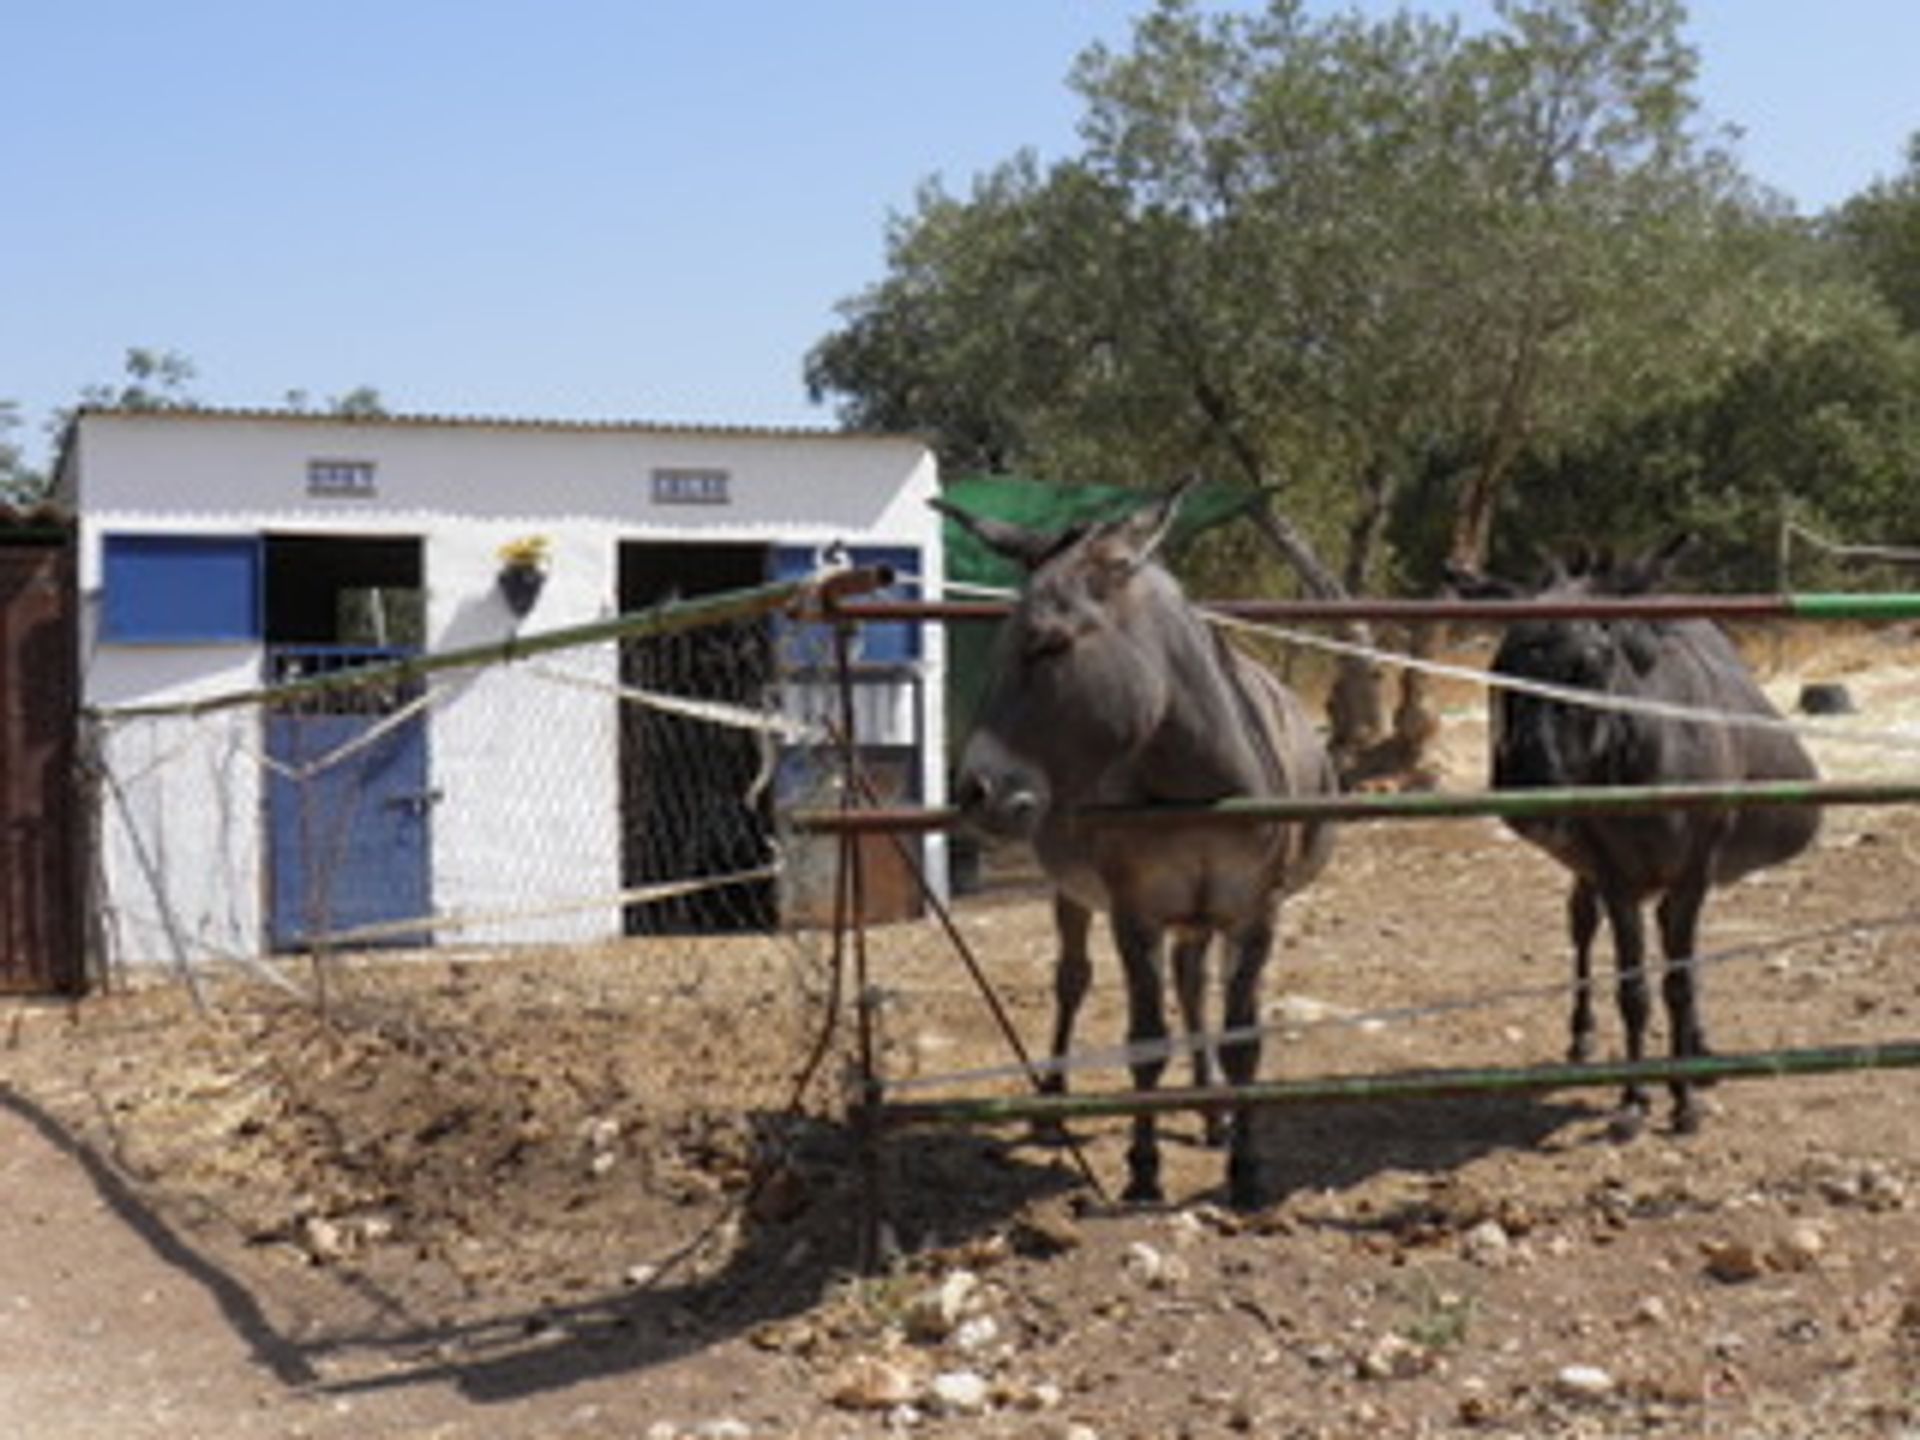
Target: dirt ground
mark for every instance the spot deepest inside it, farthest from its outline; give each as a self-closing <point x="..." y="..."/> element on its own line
<point x="573" y="1194"/>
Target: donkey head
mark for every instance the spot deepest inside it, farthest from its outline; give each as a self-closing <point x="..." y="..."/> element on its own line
<point x="1076" y="684"/>
<point x="1543" y="742"/>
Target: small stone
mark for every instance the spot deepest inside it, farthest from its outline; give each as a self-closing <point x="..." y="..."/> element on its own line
<point x="1394" y="1357"/>
<point x="1733" y="1262"/>
<point x="934" y="1313"/>
<point x="725" y="1428"/>
<point x="323" y="1239"/>
<point x="1583" y="1382"/>
<point x="1154" y="1268"/>
<point x="1800" y="1247"/>
<point x="600" y="1134"/>
<point x="1652" y="1312"/>
<point x="975" y="1334"/>
<point x="1487" y="1244"/>
<point x="959" y="1392"/>
<point x="869" y="1383"/>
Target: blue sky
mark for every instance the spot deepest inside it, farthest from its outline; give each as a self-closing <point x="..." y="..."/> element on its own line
<point x="612" y="209"/>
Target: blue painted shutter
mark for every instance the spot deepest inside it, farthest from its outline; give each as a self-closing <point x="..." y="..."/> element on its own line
<point x="180" y="589"/>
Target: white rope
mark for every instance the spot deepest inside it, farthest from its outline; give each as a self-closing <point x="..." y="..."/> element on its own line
<point x="1895" y="554"/>
<point x="472" y="920"/>
<point x="1177" y="1045"/>
<point x="1564" y="694"/>
<point x="715" y="712"/>
<point x="1570" y="695"/>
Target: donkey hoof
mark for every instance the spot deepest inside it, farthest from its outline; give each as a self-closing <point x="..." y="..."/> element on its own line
<point x="1689" y="1115"/>
<point x="1580" y="1051"/>
<point x="1143" y="1192"/>
<point x="1247" y="1184"/>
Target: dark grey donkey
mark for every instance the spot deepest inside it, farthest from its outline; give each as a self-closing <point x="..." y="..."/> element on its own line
<point x="1108" y="688"/>
<point x="1672" y="857"/>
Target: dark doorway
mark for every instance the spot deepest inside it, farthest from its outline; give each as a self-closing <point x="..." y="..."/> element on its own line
<point x="695" y="796"/>
<point x="41" y="946"/>
<point x="346" y="590"/>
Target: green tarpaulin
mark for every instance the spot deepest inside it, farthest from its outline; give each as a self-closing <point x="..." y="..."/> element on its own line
<point x="1040" y="506"/>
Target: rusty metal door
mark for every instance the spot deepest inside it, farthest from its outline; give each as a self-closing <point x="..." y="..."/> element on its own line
<point x="41" y="949"/>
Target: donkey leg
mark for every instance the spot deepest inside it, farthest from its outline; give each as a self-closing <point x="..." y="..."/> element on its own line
<point x="1190" y="984"/>
<point x="1679" y="914"/>
<point x="1072" y="974"/>
<point x="1636" y="1006"/>
<point x="1583" y="920"/>
<point x="1140" y="946"/>
<point x="1240" y="1059"/>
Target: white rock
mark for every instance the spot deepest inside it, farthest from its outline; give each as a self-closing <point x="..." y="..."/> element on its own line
<point x="936" y="1311"/>
<point x="1154" y="1268"/>
<point x="1487" y="1243"/>
<point x="725" y="1428"/>
<point x="959" y="1392"/>
<point x="1800" y="1247"/>
<point x="601" y="1133"/>
<point x="976" y="1333"/>
<point x="1583" y="1382"/>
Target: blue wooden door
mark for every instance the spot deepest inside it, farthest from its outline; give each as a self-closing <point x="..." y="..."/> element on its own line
<point x="348" y="810"/>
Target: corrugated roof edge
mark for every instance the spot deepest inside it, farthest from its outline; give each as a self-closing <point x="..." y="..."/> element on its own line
<point x="495" y="422"/>
<point x="478" y="422"/>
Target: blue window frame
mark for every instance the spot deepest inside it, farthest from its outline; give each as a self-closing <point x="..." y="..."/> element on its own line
<point x="180" y="589"/>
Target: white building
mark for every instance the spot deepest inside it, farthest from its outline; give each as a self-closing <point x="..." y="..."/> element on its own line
<point x="223" y="551"/>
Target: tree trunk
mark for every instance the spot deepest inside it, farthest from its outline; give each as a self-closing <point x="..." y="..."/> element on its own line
<point x="1356" y="708"/>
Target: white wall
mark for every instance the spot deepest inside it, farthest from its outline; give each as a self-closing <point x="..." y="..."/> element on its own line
<point x="526" y="769"/>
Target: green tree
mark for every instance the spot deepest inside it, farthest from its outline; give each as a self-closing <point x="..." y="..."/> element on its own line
<point x="150" y="380"/>
<point x="1327" y="257"/>
<point x="1879" y="231"/>
<point x="20" y="483"/>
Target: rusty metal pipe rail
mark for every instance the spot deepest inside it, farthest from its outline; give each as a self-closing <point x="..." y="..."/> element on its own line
<point x="1901" y="606"/>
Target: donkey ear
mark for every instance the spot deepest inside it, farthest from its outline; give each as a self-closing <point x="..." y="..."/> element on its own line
<point x="1146" y="529"/>
<point x="1026" y="548"/>
<point x="1467" y="584"/>
<point x="1653" y="570"/>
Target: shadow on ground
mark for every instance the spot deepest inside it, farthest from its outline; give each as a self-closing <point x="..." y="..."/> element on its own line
<point x="941" y="1188"/>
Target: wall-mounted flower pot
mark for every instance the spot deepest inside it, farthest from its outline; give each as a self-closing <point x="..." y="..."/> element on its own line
<point x="520" y="586"/>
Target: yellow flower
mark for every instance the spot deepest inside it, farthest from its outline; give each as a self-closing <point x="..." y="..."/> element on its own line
<point x="526" y="552"/>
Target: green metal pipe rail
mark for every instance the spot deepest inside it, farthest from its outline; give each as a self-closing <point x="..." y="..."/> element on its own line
<point x="1407" y="1085"/>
